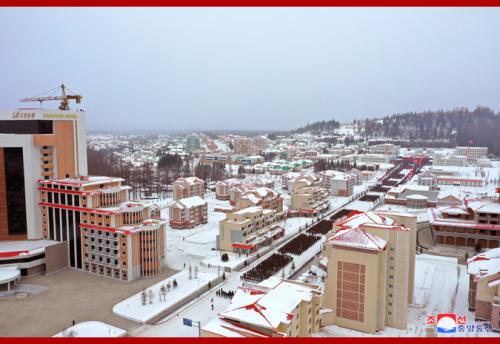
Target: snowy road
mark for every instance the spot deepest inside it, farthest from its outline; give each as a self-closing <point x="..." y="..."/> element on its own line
<point x="201" y="309"/>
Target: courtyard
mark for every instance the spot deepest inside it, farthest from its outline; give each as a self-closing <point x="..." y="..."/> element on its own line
<point x="70" y="295"/>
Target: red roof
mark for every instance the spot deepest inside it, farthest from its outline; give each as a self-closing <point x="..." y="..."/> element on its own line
<point x="12" y="254"/>
<point x="243" y="246"/>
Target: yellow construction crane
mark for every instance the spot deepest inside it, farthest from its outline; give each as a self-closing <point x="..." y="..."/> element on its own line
<point x="64" y="98"/>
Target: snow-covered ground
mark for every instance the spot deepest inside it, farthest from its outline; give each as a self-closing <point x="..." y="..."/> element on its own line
<point x="197" y="245"/>
<point x="301" y="260"/>
<point x="441" y="286"/>
<point x="491" y="176"/>
<point x="92" y="329"/>
<point x="133" y="309"/>
<point x="216" y="261"/>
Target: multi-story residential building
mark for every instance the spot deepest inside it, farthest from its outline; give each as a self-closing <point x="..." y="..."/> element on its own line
<point x="399" y="194"/>
<point x="450" y="160"/>
<point x="473" y="152"/>
<point x="338" y="183"/>
<point x="341" y="185"/>
<point x="308" y="197"/>
<point x="274" y="308"/>
<point x="374" y="158"/>
<point x="35" y="144"/>
<point x="243" y="145"/>
<point x="484" y="287"/>
<point x="427" y="178"/>
<point x="303" y="180"/>
<point x="260" y="196"/>
<point x="250" y="160"/>
<point x="460" y="181"/>
<point x="247" y="229"/>
<point x="222" y="188"/>
<point x="476" y="222"/>
<point x="214" y="158"/>
<point x="385" y="149"/>
<point x="188" y="187"/>
<point x="261" y="143"/>
<point x="193" y="143"/>
<point x="287" y="178"/>
<point x="105" y="232"/>
<point x="264" y="182"/>
<point x="236" y="191"/>
<point x="188" y="212"/>
<point x="370" y="271"/>
<point x="126" y="252"/>
<point x="357" y="175"/>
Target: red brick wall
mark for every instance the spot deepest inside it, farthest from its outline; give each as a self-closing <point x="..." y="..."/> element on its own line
<point x="495" y="317"/>
<point x="350" y="291"/>
<point x="483" y="310"/>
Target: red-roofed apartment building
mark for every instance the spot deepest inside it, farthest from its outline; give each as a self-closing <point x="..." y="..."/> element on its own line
<point x="484" y="287"/>
<point x="188" y="187"/>
<point x="370" y="273"/>
<point x="274" y="308"/>
<point x="476" y="222"/>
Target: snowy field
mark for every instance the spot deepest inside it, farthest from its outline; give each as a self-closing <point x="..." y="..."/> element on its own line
<point x="197" y="245"/>
<point x="133" y="309"/>
<point x="92" y="329"/>
<point x="215" y="260"/>
<point x="491" y="176"/>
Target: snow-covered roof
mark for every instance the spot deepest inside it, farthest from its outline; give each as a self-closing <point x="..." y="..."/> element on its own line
<point x="189" y="202"/>
<point x="82" y="181"/>
<point x="248" y="210"/>
<point x="358" y="238"/>
<point x="92" y="329"/>
<point x="270" y="304"/>
<point x="17" y="248"/>
<point x="484" y="264"/>
<point x="189" y="180"/>
<point x="9" y="273"/>
<point x="359" y="219"/>
<point x="454" y="210"/>
<point x="436" y="218"/>
<point x="484" y="206"/>
<point x="417" y="197"/>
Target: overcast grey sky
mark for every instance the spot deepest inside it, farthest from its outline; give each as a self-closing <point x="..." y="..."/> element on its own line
<point x="257" y="68"/>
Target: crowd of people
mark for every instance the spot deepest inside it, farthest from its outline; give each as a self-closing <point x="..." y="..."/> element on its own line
<point x="267" y="268"/>
<point x="299" y="244"/>
<point x="225" y="294"/>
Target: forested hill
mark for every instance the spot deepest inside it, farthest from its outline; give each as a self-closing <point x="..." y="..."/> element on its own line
<point x="460" y="126"/>
<point x="317" y="128"/>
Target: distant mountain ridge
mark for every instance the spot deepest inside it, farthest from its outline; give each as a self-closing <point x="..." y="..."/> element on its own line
<point x="460" y="126"/>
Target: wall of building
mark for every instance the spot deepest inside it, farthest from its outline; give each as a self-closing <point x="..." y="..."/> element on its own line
<point x="56" y="257"/>
<point x="355" y="281"/>
<point x="32" y="172"/>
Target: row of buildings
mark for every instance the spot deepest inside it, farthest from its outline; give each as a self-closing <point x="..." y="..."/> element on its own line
<point x="368" y="285"/>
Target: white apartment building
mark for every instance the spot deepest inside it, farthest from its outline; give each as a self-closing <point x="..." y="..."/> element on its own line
<point x="473" y="152"/>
